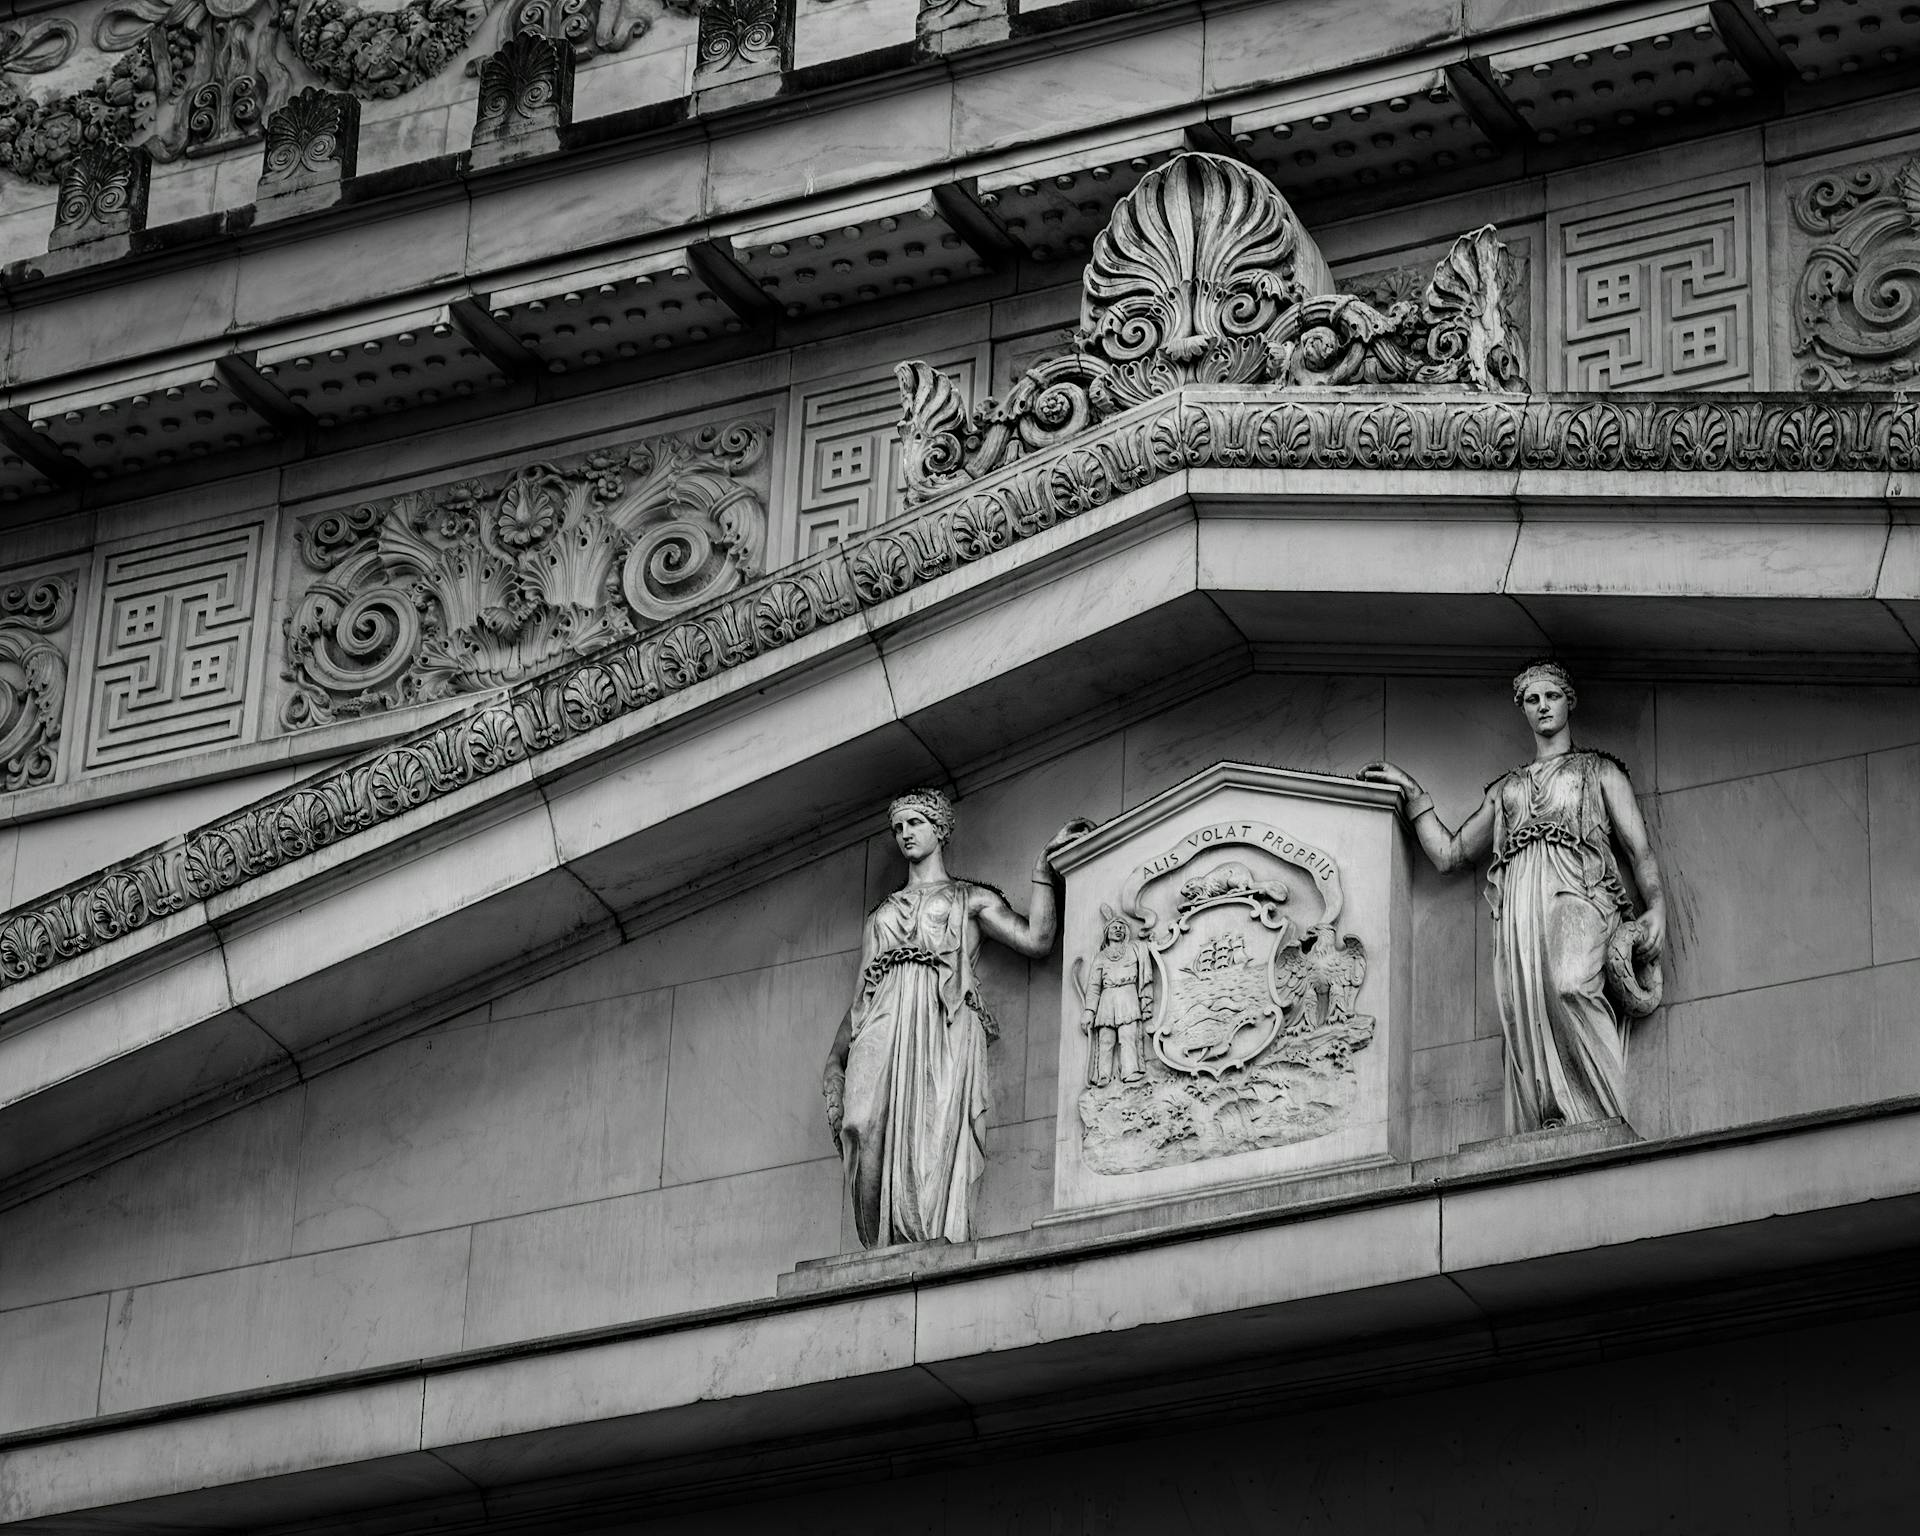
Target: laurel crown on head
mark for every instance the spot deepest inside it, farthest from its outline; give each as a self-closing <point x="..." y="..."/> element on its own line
<point x="930" y="803"/>
<point x="1553" y="672"/>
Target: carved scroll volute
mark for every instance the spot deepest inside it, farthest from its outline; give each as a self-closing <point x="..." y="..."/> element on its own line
<point x="1856" y="314"/>
<point x="932" y="430"/>
<point x="1195" y="268"/>
<point x="33" y="679"/>
<point x="477" y="584"/>
<point x="1471" y="337"/>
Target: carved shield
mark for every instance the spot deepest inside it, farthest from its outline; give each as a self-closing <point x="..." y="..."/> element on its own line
<point x="1214" y="919"/>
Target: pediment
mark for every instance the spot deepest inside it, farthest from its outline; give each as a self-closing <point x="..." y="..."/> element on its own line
<point x="1148" y="514"/>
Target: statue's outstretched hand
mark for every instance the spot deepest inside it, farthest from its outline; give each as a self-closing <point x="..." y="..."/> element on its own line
<point x="1388" y="773"/>
<point x="1072" y="832"/>
<point x="1650" y="938"/>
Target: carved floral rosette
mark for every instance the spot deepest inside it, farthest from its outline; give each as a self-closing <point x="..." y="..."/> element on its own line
<point x="1235" y="1002"/>
<point x="473" y="586"/>
<point x="1204" y="276"/>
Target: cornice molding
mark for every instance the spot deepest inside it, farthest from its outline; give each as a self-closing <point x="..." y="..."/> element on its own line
<point x="1213" y="428"/>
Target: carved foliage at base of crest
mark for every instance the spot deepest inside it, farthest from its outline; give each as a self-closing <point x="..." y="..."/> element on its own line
<point x="1856" y="308"/>
<point x="1203" y="277"/>
<point x="479" y="584"/>
<point x="33" y="678"/>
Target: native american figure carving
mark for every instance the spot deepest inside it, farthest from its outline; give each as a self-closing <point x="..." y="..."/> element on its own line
<point x="1204" y="276"/>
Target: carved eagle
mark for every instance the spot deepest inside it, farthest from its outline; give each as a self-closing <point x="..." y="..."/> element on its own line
<point x="1320" y="975"/>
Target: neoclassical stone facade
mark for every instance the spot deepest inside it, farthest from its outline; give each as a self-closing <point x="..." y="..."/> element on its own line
<point x="572" y="575"/>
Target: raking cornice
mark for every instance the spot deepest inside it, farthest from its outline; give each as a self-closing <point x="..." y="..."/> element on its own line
<point x="1215" y="427"/>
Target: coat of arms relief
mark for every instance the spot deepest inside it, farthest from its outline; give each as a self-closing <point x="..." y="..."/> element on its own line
<point x="1218" y="1020"/>
<point x="1225" y="1014"/>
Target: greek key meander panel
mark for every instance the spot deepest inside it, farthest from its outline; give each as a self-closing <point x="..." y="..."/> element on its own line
<point x="846" y="468"/>
<point x="1656" y="294"/>
<point x="174" y="648"/>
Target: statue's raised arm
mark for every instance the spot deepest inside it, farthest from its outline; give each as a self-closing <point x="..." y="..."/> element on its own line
<point x="1573" y="962"/>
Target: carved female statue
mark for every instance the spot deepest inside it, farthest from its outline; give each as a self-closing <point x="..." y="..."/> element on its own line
<point x="1564" y="932"/>
<point x="906" y="1079"/>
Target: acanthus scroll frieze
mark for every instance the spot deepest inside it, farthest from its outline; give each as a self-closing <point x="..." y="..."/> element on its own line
<point x="1856" y="307"/>
<point x="476" y="585"/>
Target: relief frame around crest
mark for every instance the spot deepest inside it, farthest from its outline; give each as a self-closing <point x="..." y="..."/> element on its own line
<point x="1244" y="1036"/>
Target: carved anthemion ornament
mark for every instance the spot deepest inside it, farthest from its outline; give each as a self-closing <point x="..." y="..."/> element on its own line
<point x="103" y="193"/>
<point x="526" y="91"/>
<point x="477" y="585"/>
<point x="1221" y="1007"/>
<point x="1204" y="276"/>
<point x="741" y="38"/>
<point x="310" y="141"/>
<point x="33" y="678"/>
<point x="1856" y="313"/>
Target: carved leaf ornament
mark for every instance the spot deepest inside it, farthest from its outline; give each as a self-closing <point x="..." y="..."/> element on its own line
<point x="1202" y="277"/>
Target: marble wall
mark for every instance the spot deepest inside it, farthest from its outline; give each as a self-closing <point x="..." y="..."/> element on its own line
<point x="641" y="1132"/>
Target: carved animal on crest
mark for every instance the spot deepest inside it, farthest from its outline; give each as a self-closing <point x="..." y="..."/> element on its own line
<point x="1223" y="880"/>
<point x="1317" y="978"/>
